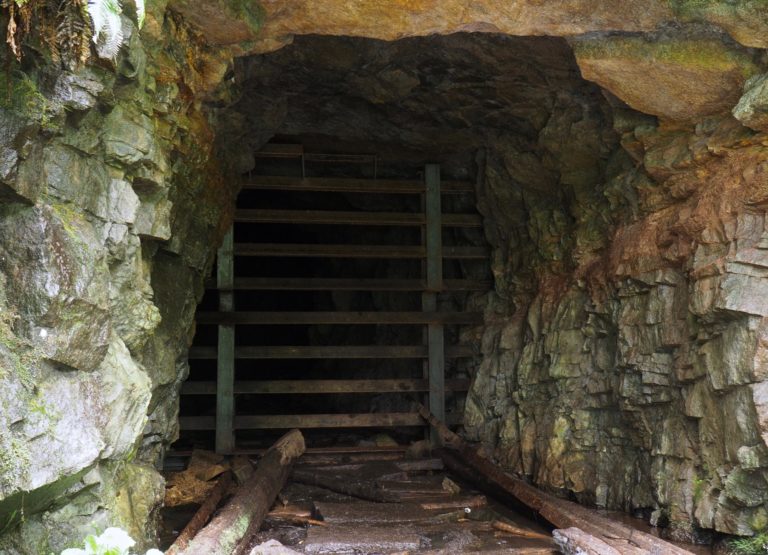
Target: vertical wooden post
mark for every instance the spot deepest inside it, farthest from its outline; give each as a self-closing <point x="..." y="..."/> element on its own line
<point x="225" y="376"/>
<point x="434" y="271"/>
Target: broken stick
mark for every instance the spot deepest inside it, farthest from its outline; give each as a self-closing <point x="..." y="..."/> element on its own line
<point x="473" y="502"/>
<point x="229" y="531"/>
<point x="202" y="515"/>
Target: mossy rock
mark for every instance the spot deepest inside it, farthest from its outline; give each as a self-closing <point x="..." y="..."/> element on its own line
<point x="674" y="78"/>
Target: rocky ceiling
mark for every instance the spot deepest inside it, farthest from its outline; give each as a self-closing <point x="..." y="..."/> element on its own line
<point x="679" y="60"/>
<point x="441" y="96"/>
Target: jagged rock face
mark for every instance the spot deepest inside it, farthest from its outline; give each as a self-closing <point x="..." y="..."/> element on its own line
<point x="622" y="357"/>
<point x="103" y="248"/>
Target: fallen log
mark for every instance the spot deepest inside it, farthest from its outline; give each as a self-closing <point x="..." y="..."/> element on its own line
<point x="229" y="531"/>
<point x="202" y="515"/>
<point x="461" y="458"/>
<point x="368" y="491"/>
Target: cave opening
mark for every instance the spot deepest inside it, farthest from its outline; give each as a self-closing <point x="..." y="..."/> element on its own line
<point x="349" y="108"/>
<point x="524" y="148"/>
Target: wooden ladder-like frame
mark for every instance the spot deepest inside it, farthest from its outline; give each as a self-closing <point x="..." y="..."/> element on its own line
<point x="433" y="352"/>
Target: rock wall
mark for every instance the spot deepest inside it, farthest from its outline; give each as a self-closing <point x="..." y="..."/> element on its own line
<point x="111" y="204"/>
<point x="634" y="379"/>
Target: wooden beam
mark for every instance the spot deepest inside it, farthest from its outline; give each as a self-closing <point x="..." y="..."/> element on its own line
<point x="278" y="150"/>
<point x="328" y="217"/>
<point x="225" y="368"/>
<point x="340" y="453"/>
<point x="355" y="251"/>
<point x="339" y="318"/>
<point x="306" y="421"/>
<point x="290" y="387"/>
<point x="344" y="185"/>
<point x="340" y="284"/>
<point x="467" y="462"/>
<point x="434" y="270"/>
<point x="331" y="351"/>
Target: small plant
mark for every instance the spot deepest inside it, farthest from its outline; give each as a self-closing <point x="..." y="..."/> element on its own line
<point x="66" y="27"/>
<point x="113" y="541"/>
<point x="755" y="545"/>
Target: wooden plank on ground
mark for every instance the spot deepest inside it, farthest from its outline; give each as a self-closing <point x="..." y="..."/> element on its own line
<point x="360" y="538"/>
<point x="340" y="318"/>
<point x="341" y="284"/>
<point x="328" y="217"/>
<point x="346" y="185"/>
<point x="355" y="251"/>
<point x="290" y="387"/>
<point x="331" y="351"/>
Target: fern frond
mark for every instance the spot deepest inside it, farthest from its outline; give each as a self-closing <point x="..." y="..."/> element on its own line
<point x="107" y="27"/>
<point x="140" y="13"/>
<point x="72" y="34"/>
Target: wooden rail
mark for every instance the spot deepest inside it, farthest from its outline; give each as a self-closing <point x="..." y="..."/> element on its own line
<point x="309" y="421"/>
<point x="340" y="284"/>
<point x="296" y="387"/>
<point x="354" y="251"/>
<point x="339" y="318"/>
<point x="342" y="185"/>
<point x="327" y="217"/>
<point x="331" y="351"/>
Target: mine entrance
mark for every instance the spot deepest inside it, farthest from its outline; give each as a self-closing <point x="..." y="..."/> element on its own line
<point x="340" y="296"/>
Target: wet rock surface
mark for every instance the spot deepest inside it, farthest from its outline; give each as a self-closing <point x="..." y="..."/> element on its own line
<point x="89" y="401"/>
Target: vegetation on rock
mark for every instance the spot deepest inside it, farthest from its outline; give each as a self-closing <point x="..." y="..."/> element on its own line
<point x="67" y="27"/>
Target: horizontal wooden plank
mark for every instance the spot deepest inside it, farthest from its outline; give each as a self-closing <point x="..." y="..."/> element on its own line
<point x="345" y="185"/>
<point x="339" y="318"/>
<point x="354" y="251"/>
<point x="328" y="217"/>
<point x="284" y="387"/>
<point x="307" y="421"/>
<point x="276" y="150"/>
<point x="331" y="352"/>
<point x="335" y="456"/>
<point x="322" y="284"/>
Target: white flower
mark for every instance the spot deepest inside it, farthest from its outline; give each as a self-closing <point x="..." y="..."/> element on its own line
<point x="154" y="552"/>
<point x="73" y="551"/>
<point x="115" y="538"/>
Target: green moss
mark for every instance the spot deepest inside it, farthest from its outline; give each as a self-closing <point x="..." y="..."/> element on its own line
<point x="756" y="545"/>
<point x="19" y="353"/>
<point x="70" y="219"/>
<point x="14" y="459"/>
<point x="707" y="54"/>
<point x="698" y="489"/>
<point x="20" y="94"/>
<point x="248" y="12"/>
